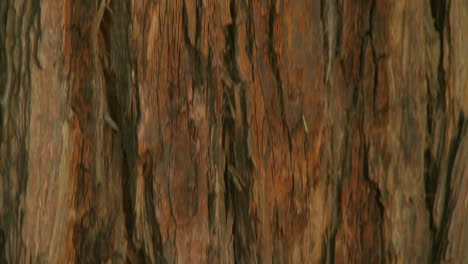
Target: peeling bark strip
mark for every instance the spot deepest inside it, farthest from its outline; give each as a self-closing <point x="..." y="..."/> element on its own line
<point x="233" y="131"/>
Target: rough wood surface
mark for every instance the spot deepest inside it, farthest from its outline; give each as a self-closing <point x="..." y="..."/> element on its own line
<point x="234" y="131"/>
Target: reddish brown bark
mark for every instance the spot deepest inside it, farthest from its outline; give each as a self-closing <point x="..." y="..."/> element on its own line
<point x="246" y="131"/>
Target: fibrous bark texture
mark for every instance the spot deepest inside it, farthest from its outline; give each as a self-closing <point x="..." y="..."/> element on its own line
<point x="234" y="131"/>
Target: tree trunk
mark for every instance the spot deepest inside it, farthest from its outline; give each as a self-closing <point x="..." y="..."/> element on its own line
<point x="234" y="131"/>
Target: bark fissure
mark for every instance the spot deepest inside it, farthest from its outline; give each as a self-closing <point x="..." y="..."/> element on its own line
<point x="237" y="170"/>
<point x="441" y="239"/>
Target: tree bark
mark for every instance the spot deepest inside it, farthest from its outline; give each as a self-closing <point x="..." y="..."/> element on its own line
<point x="234" y="131"/>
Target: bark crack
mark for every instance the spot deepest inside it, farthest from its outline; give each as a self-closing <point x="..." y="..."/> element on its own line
<point x="439" y="9"/>
<point x="235" y="127"/>
<point x="442" y="241"/>
<point x="274" y="60"/>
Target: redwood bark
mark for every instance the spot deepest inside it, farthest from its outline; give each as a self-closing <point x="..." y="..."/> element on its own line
<point x="234" y="131"/>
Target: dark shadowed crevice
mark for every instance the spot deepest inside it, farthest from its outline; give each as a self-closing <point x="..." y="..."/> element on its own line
<point x="273" y="56"/>
<point x="431" y="169"/>
<point x="439" y="10"/>
<point x="438" y="13"/>
<point x="128" y="194"/>
<point x="84" y="235"/>
<point x="375" y="56"/>
<point x="326" y="45"/>
<point x="231" y="37"/>
<point x="212" y="197"/>
<point x="431" y="163"/>
<point x="344" y="171"/>
<point x="442" y="241"/>
<point x="430" y="186"/>
<point x="198" y="20"/>
<point x="198" y="65"/>
<point x="2" y="247"/>
<point x="122" y="93"/>
<point x="149" y="203"/>
<point x="377" y="193"/>
<point x="377" y="196"/>
<point x="235" y="129"/>
<point x="338" y="27"/>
